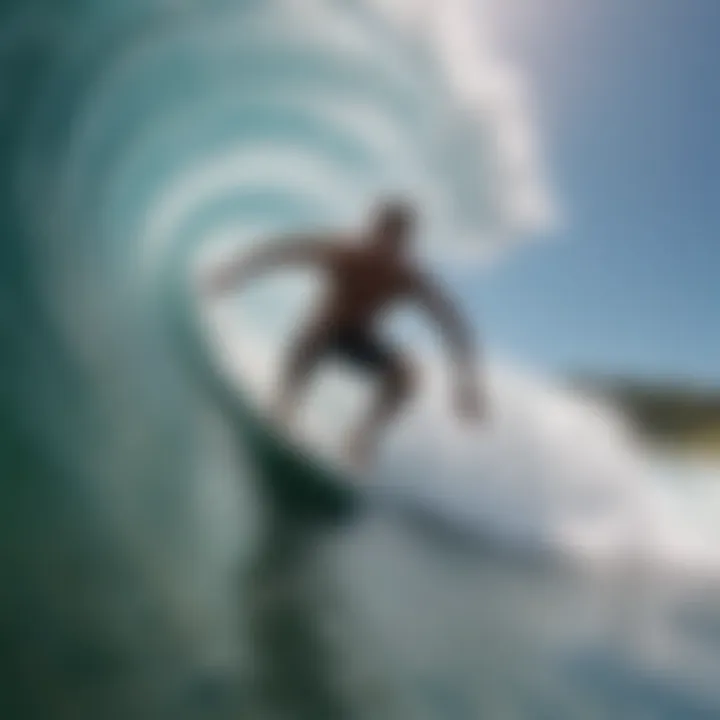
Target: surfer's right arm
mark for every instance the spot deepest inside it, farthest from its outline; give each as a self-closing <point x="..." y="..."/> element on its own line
<point x="269" y="256"/>
<point x="460" y="339"/>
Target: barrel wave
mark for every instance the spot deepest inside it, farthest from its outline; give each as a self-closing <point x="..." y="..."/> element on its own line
<point x="140" y="572"/>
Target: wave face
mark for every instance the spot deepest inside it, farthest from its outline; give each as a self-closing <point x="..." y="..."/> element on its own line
<point x="133" y="131"/>
<point x="136" y="130"/>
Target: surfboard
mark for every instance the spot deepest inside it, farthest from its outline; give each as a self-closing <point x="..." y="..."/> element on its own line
<point x="292" y="477"/>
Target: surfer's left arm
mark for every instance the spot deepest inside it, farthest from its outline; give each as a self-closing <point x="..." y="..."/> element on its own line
<point x="459" y="337"/>
<point x="296" y="250"/>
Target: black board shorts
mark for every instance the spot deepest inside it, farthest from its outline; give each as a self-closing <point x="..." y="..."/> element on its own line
<point x="361" y="348"/>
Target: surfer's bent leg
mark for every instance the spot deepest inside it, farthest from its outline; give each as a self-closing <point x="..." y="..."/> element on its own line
<point x="303" y="355"/>
<point x="397" y="383"/>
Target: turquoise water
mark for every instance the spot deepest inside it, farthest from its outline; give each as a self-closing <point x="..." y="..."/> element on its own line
<point x="140" y="574"/>
<point x="389" y="616"/>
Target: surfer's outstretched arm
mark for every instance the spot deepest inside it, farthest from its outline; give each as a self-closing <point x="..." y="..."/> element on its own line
<point x="300" y="250"/>
<point x="458" y="336"/>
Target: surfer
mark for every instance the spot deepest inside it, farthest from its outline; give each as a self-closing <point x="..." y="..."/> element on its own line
<point x="366" y="272"/>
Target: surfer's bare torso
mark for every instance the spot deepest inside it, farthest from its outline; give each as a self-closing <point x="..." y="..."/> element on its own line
<point x="361" y="285"/>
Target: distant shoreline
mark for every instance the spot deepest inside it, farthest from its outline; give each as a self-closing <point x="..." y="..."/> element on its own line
<point x="676" y="415"/>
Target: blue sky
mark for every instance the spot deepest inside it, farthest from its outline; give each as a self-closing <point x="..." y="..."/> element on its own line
<point x="627" y="101"/>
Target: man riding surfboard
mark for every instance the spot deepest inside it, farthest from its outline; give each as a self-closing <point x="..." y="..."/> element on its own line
<point x="365" y="274"/>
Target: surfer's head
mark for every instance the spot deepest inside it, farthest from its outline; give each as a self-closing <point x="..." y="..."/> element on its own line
<point x="393" y="226"/>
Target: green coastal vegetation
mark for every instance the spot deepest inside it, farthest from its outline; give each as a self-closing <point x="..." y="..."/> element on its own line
<point x="674" y="414"/>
